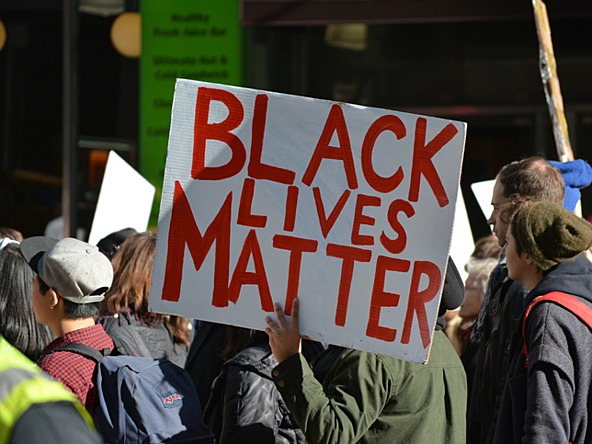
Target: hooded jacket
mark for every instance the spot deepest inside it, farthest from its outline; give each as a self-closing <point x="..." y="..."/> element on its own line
<point x="549" y="400"/>
<point x="244" y="405"/>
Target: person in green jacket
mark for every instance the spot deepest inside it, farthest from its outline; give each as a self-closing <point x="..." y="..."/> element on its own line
<point x="34" y="409"/>
<point x="355" y="396"/>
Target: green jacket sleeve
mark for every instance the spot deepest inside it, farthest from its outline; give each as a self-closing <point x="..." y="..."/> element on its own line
<point x="357" y="388"/>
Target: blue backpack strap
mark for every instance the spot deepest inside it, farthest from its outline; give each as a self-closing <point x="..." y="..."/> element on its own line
<point x="567" y="301"/>
<point x="84" y="350"/>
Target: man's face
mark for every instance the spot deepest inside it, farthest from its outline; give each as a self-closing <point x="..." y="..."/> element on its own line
<point x="498" y="200"/>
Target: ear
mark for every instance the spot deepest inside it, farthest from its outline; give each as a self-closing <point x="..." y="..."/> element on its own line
<point x="531" y="264"/>
<point x="54" y="298"/>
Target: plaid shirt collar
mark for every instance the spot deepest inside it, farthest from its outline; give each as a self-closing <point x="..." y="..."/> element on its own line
<point x="93" y="336"/>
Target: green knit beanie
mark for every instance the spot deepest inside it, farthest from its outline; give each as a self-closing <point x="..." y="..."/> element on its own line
<point x="549" y="234"/>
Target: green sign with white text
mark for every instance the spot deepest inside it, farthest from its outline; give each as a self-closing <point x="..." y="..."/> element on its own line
<point x="190" y="39"/>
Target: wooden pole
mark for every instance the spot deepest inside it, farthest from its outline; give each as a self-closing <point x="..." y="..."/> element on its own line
<point x="551" y="86"/>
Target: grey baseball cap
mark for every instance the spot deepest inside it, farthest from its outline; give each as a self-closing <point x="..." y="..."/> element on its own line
<point x="77" y="271"/>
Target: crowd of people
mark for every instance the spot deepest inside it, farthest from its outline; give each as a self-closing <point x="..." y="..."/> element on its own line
<point x="510" y="358"/>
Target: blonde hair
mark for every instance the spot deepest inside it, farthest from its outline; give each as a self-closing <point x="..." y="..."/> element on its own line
<point x="479" y="270"/>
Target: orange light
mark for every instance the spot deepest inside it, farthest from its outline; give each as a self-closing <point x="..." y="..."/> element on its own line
<point x="126" y="34"/>
<point x="2" y="35"/>
<point x="97" y="162"/>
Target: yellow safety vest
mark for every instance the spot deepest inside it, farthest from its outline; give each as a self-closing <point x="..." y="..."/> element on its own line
<point x="23" y="384"/>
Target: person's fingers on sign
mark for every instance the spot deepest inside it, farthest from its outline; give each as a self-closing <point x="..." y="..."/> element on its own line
<point x="284" y="338"/>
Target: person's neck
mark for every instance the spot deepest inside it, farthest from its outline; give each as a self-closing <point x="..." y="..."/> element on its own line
<point x="70" y="325"/>
<point x="532" y="279"/>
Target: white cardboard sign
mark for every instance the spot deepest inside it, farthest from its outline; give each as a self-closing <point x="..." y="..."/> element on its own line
<point x="125" y="200"/>
<point x="268" y="197"/>
<point x="462" y="244"/>
<point x="483" y="192"/>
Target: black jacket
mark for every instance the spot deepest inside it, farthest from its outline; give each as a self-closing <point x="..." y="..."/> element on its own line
<point x="245" y="406"/>
<point x="490" y="339"/>
<point x="203" y="359"/>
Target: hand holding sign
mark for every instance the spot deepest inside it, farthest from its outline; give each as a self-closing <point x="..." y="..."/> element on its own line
<point x="284" y="338"/>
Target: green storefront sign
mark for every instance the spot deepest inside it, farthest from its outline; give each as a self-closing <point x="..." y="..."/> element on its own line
<point x="191" y="39"/>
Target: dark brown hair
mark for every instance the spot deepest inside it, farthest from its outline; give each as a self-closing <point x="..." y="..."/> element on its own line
<point x="239" y="338"/>
<point x="519" y="248"/>
<point x="530" y="180"/>
<point x="132" y="277"/>
<point x="72" y="310"/>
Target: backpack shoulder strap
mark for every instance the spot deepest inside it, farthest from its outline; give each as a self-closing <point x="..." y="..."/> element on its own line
<point x="84" y="350"/>
<point x="567" y="301"/>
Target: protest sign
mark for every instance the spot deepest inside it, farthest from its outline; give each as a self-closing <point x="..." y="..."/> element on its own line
<point x="268" y="197"/>
<point x="125" y="200"/>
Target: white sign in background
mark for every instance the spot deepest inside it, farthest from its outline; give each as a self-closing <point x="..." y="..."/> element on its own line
<point x="375" y="247"/>
<point x="483" y="193"/>
<point x="462" y="244"/>
<point x="125" y="200"/>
